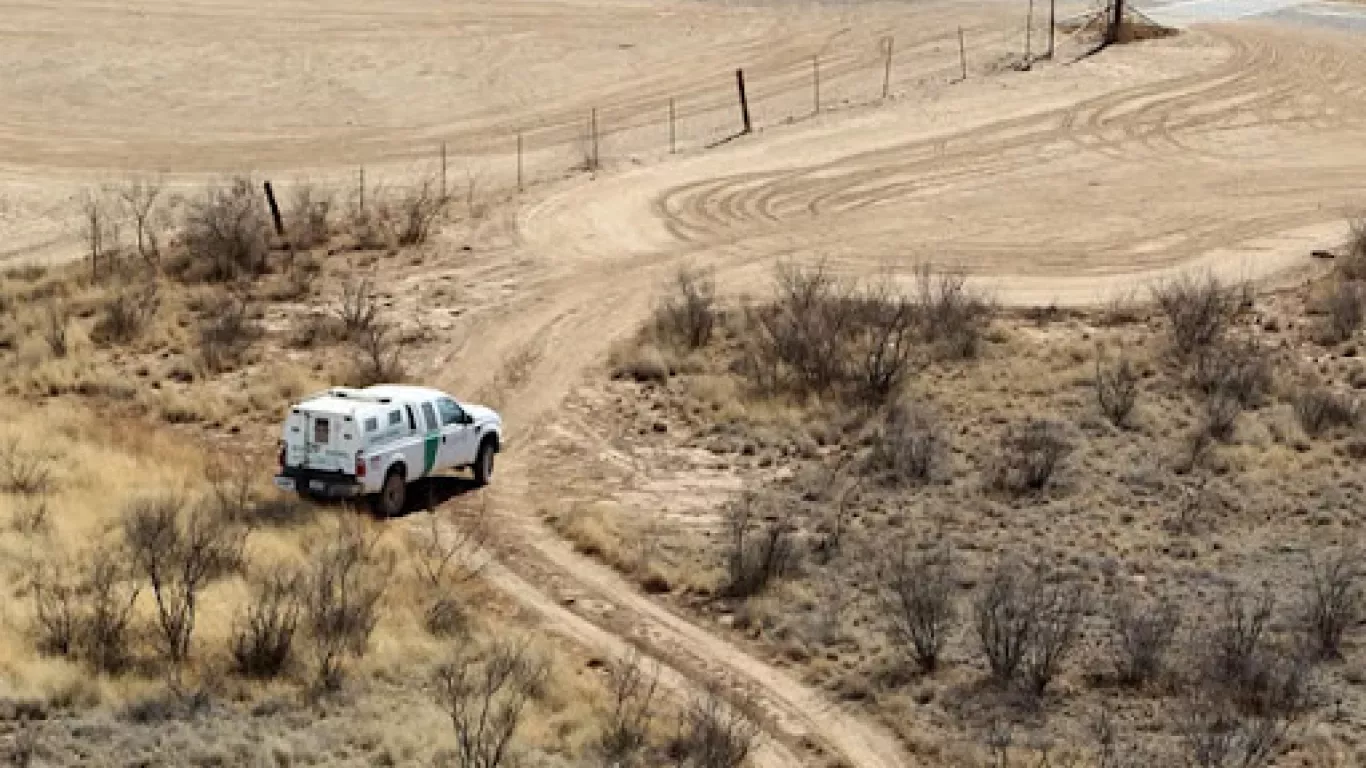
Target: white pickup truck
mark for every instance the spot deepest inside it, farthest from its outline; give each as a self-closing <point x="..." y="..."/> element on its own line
<point x="372" y="442"/>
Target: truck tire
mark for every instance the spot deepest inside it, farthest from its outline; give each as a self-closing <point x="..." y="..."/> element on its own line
<point x="389" y="501"/>
<point x="483" y="464"/>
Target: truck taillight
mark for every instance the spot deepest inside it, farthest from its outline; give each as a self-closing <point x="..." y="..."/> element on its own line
<point x="360" y="464"/>
<point x="282" y="454"/>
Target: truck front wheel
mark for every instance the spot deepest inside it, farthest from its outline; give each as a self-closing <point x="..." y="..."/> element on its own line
<point x="389" y="502"/>
<point x="483" y="464"/>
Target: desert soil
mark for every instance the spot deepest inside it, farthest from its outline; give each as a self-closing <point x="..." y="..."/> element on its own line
<point x="1232" y="147"/>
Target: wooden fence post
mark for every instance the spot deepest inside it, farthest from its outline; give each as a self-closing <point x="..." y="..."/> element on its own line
<point x="744" y="101"/>
<point x="1052" y="25"/>
<point x="963" y="53"/>
<point x="888" y="42"/>
<point x="519" y="162"/>
<point x="673" y="130"/>
<point x="275" y="211"/>
<point x="1029" y="30"/>
<point x="443" y="169"/>
<point x="362" y="188"/>
<point x="593" y="123"/>
<point x="816" y="82"/>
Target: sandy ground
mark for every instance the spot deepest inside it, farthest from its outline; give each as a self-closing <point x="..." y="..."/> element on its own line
<point x="1235" y="148"/>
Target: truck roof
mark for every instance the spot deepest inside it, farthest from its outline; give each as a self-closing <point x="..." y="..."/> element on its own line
<point x="347" y="400"/>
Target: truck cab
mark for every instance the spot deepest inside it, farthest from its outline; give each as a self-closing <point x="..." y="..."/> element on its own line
<point x="373" y="442"/>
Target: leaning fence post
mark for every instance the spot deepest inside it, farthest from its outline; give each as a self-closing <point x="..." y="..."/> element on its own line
<point x="744" y="102"/>
<point x="963" y="53"/>
<point x="887" y="43"/>
<point x="362" y="187"/>
<point x="519" y="161"/>
<point x="593" y="123"/>
<point x="443" y="169"/>
<point x="275" y="211"/>
<point x="816" y="82"/>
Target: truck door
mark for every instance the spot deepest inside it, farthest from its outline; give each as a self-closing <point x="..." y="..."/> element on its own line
<point x="458" y="440"/>
<point x="325" y="442"/>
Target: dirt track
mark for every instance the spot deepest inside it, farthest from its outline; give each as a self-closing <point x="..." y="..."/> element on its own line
<point x="1235" y="148"/>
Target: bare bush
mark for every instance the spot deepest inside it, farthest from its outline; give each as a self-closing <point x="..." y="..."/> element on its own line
<point x="1141" y="634"/>
<point x="711" y="734"/>
<point x="1028" y="621"/>
<point x="822" y="337"/>
<point x="625" y="736"/>
<point x="127" y="314"/>
<point x="1333" y="601"/>
<point x="758" y="546"/>
<point x="953" y="318"/>
<point x="343" y="586"/>
<point x="688" y="316"/>
<point x="99" y="229"/>
<point x="357" y="309"/>
<point x="179" y="549"/>
<point x="911" y="448"/>
<point x="485" y="696"/>
<point x="1320" y="409"/>
<point x="58" y="611"/>
<point x="25" y="471"/>
<point x="1240" y="370"/>
<point x="309" y="217"/>
<point x="1199" y="309"/>
<point x="140" y="199"/>
<point x="1238" y="638"/>
<point x="1031" y="454"/>
<point x="1345" y="311"/>
<point x="226" y="333"/>
<point x="1215" y="733"/>
<point x="56" y="321"/>
<point x="104" y="637"/>
<point x="1352" y="265"/>
<point x="1219" y="417"/>
<point x="1247" y="670"/>
<point x="916" y="594"/>
<point x="418" y="210"/>
<point x="262" y="640"/>
<point x="443" y="556"/>
<point x="377" y="357"/>
<point x="227" y="234"/>
<point x="1117" y="390"/>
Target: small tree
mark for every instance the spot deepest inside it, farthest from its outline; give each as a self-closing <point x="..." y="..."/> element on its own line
<point x="758" y="550"/>
<point x="56" y="321"/>
<point x="916" y="595"/>
<point x="226" y="233"/>
<point x="139" y="199"/>
<point x="486" y="698"/>
<point x="712" y="735"/>
<point x="1028" y="622"/>
<point x="105" y="635"/>
<point x="343" y="587"/>
<point x="1004" y="620"/>
<point x="687" y="317"/>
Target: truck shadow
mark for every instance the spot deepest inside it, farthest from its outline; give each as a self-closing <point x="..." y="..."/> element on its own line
<point x="429" y="493"/>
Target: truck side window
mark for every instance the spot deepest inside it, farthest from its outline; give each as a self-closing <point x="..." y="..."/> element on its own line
<point x="450" y="412"/>
<point x="322" y="431"/>
<point x="412" y="420"/>
<point x="371" y="425"/>
<point x="430" y="414"/>
<point x="395" y="418"/>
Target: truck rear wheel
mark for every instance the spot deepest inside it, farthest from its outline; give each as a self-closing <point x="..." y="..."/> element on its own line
<point x="483" y="464"/>
<point x="389" y="501"/>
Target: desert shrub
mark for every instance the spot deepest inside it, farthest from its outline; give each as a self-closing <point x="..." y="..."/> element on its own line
<point x="357" y="308"/>
<point x="1141" y="634"/>
<point x="141" y="202"/>
<point x="639" y="362"/>
<point x="758" y="546"/>
<point x="1117" y="390"/>
<point x="226" y="234"/>
<point x="58" y="611"/>
<point x="1352" y="265"/>
<point x="711" y="734"/>
<point x="911" y="446"/>
<point x="262" y="641"/>
<point x="179" y="549"/>
<point x="226" y="332"/>
<point x="1028" y="621"/>
<point x="485" y="695"/>
<point x="86" y="614"/>
<point x="25" y="471"/>
<point x="821" y="337"/>
<point x="1215" y="733"/>
<point x="376" y="357"/>
<point x="1332" y="601"/>
<point x="1031" y="454"/>
<point x="687" y="317"/>
<point x="916" y="595"/>
<point x="1219" y="418"/>
<point x="625" y="735"/>
<point x="1240" y="370"/>
<point x="343" y="585"/>
<point x="953" y="318"/>
<point x="126" y="314"/>
<point x="1199" y="309"/>
<point x="56" y="320"/>
<point x="1320" y="409"/>
<point x="1345" y="311"/>
<point x="309" y="217"/>
<point x="418" y="210"/>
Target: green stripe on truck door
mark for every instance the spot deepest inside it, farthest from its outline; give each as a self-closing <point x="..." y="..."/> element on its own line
<point x="431" y="445"/>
